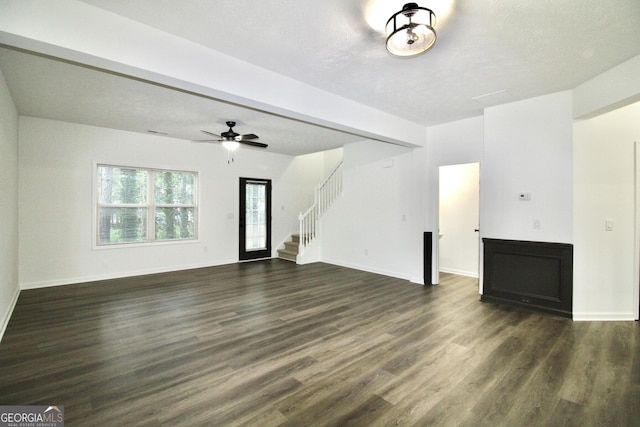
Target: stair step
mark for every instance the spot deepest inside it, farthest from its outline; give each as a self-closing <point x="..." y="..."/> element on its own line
<point x="287" y="254"/>
<point x="292" y="246"/>
<point x="296" y="237"/>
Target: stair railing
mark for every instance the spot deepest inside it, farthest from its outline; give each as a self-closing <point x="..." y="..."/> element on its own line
<point x="324" y="196"/>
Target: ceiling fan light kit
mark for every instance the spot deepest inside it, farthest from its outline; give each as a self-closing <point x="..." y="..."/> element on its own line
<point x="230" y="144"/>
<point x="411" y="31"/>
<point x="231" y="140"/>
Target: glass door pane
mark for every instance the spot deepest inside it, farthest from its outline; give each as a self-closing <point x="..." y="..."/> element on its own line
<point x="256" y="233"/>
<point x="255" y="218"/>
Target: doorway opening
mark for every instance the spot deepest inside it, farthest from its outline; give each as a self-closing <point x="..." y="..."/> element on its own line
<point x="458" y="240"/>
<point x="255" y="219"/>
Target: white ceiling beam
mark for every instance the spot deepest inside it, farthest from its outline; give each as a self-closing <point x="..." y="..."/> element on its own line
<point x="85" y="34"/>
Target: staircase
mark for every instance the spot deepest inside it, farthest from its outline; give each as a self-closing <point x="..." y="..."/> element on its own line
<point x="325" y="195"/>
<point x="291" y="249"/>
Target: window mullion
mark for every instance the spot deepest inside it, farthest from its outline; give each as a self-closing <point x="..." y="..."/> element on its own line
<point x="174" y="206"/>
<point x="121" y="205"/>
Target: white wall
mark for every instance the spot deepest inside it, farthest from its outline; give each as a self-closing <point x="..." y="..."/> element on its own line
<point x="369" y="227"/>
<point x="331" y="159"/>
<point x="528" y="148"/>
<point x="459" y="245"/>
<point x="604" y="285"/>
<point x="9" y="288"/>
<point x="56" y="168"/>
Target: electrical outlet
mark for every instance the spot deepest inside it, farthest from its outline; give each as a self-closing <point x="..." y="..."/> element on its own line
<point x="536" y="224"/>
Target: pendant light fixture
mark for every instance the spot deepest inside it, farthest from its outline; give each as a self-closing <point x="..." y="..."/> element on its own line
<point x="410" y="32"/>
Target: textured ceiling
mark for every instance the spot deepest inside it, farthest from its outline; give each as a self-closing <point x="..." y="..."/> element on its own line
<point x="529" y="48"/>
<point x="516" y="49"/>
<point x="42" y="87"/>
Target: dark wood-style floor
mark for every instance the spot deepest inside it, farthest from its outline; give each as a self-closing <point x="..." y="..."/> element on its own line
<point x="273" y="343"/>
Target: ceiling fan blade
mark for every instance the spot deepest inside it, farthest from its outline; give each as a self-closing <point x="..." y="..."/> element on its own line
<point x="253" y="143"/>
<point x="249" y="136"/>
<point x="210" y="133"/>
<point x="206" y="140"/>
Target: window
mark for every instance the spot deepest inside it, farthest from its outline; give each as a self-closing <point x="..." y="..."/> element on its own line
<point x="145" y="205"/>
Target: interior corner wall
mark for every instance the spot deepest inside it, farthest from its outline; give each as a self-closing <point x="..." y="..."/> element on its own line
<point x="369" y="227"/>
<point x="528" y="147"/>
<point x="604" y="285"/>
<point x="331" y="159"/>
<point x="449" y="144"/>
<point x="56" y="169"/>
<point x="9" y="288"/>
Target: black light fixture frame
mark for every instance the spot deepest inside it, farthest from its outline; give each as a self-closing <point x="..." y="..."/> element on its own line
<point x="408" y="10"/>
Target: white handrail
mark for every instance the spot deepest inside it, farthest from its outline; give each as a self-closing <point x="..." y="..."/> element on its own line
<point x="324" y="195"/>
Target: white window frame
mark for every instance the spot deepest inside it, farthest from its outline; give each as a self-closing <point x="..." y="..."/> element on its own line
<point x="150" y="207"/>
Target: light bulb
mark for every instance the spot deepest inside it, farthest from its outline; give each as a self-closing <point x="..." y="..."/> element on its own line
<point x="230" y="144"/>
<point x="411" y="37"/>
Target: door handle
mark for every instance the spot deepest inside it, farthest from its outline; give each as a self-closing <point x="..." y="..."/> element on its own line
<point x="477" y="230"/>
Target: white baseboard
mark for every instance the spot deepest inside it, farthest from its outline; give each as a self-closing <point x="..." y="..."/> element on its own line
<point x="603" y="317"/>
<point x="459" y="272"/>
<point x="84" y="279"/>
<point x="417" y="281"/>
<point x="6" y="316"/>
<point x="308" y="261"/>
<point x="367" y="269"/>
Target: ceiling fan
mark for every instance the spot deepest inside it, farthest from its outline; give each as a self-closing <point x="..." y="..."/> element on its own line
<point x="232" y="140"/>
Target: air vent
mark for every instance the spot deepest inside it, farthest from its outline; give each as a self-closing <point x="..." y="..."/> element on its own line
<point x="493" y="98"/>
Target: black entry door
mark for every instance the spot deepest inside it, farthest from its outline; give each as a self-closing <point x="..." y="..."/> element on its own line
<point x="255" y="218"/>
